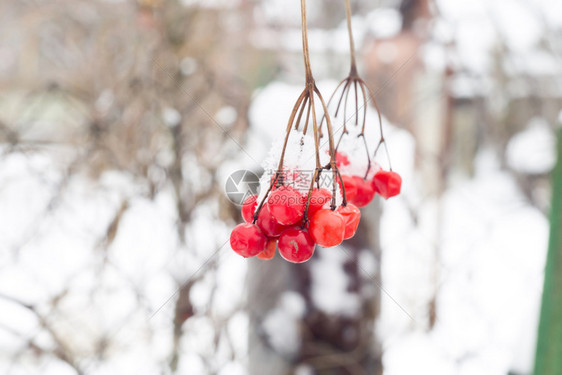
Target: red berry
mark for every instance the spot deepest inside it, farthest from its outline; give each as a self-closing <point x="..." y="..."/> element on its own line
<point x="318" y="198"/>
<point x="351" y="216"/>
<point x="267" y="223"/>
<point x="247" y="240"/>
<point x="286" y="205"/>
<point x="387" y="183"/>
<point x="295" y="245"/>
<point x="341" y="159"/>
<point x="350" y="186"/>
<point x="249" y="207"/>
<point x="365" y="192"/>
<point x="327" y="228"/>
<point x="269" y="251"/>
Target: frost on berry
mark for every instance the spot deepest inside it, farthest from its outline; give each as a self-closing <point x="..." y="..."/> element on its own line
<point x="298" y="166"/>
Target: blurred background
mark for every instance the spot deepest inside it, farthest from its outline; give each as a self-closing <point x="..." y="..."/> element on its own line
<point x="121" y="120"/>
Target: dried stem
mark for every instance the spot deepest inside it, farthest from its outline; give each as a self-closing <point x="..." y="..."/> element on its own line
<point x="351" y="43"/>
<point x="333" y="165"/>
<point x="307" y="101"/>
<point x="359" y="86"/>
<point x="305" y="50"/>
<point x="278" y="178"/>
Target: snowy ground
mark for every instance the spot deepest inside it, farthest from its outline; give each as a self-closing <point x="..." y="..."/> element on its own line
<point x="493" y="247"/>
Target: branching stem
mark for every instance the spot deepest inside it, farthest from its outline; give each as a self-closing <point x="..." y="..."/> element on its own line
<point x="306" y="101"/>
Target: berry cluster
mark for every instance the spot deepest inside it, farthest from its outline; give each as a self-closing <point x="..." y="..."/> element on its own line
<point x="294" y="222"/>
<point x="361" y="190"/>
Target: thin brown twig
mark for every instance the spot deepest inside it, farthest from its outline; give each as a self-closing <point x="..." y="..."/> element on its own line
<point x="359" y="86"/>
<point x="306" y="100"/>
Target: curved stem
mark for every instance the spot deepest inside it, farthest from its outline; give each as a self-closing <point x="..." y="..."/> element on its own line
<point x="333" y="165"/>
<point x="289" y="126"/>
<point x="345" y="107"/>
<point x="344" y="91"/>
<point x="309" y="195"/>
<point x="351" y="43"/>
<point x="344" y="198"/>
<point x="305" y="50"/>
<point x="368" y="156"/>
<point x="362" y="134"/>
<point x="307" y="119"/>
<point x="297" y="123"/>
<point x="279" y="171"/>
<point x="318" y="168"/>
<point x="339" y="140"/>
<point x="382" y="139"/>
<point x="315" y="125"/>
<point x="365" y="105"/>
<point x="356" y="104"/>
<point x="329" y="102"/>
<point x="374" y="101"/>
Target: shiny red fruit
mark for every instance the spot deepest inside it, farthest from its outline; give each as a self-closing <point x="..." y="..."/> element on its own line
<point x="327" y="228"/>
<point x="318" y="198"/>
<point x="286" y="205"/>
<point x="365" y="192"/>
<point x="247" y="240"/>
<point x="387" y="183"/>
<point x="249" y="207"/>
<point x="269" y="251"/>
<point x="350" y="186"/>
<point x="351" y="216"/>
<point x="295" y="245"/>
<point x="267" y="223"/>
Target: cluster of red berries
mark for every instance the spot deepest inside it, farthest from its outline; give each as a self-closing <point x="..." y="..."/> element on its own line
<point x="284" y="222"/>
<point x="361" y="191"/>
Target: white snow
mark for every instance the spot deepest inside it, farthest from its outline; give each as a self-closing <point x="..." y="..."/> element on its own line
<point x="330" y="284"/>
<point x="384" y="22"/>
<point x="282" y="329"/>
<point x="226" y="116"/>
<point x="533" y="150"/>
<point x="492" y="246"/>
<point x="171" y="116"/>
